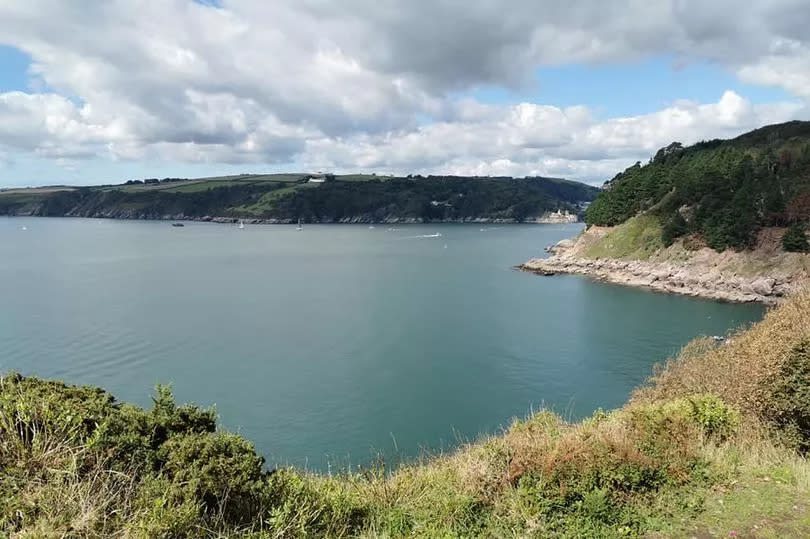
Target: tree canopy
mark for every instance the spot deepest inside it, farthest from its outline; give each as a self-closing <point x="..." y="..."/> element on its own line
<point x="722" y="190"/>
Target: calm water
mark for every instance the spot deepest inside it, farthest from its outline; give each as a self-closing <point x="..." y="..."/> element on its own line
<point x="336" y="343"/>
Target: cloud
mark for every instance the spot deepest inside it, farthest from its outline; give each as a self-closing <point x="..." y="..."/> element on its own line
<point x="363" y="84"/>
<point x="532" y="139"/>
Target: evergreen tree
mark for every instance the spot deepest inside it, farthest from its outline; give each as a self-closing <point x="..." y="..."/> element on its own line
<point x="795" y="240"/>
<point x="673" y="229"/>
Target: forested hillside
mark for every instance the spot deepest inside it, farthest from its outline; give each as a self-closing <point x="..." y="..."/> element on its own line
<point x="291" y="197"/>
<point x="721" y="192"/>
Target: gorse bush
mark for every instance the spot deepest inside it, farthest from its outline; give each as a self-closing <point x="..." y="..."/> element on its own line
<point x="51" y="429"/>
<point x="167" y="471"/>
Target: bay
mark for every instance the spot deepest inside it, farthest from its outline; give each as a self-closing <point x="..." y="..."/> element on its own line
<point x="339" y="343"/>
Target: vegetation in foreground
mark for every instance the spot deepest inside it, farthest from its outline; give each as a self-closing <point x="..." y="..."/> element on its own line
<point x="715" y="444"/>
<point x="720" y="192"/>
<point x="289" y="197"/>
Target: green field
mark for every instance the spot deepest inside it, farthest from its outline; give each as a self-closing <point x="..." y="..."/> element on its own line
<point x="265" y="203"/>
<point x="201" y="184"/>
<point x="361" y="177"/>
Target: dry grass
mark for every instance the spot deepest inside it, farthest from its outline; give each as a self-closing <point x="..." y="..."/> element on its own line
<point x="737" y="371"/>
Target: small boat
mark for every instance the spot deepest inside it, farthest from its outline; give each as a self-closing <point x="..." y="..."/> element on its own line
<point x="370" y="227"/>
<point x="178" y="224"/>
<point x="24" y="228"/>
<point x="241" y="224"/>
<point x="300" y="226"/>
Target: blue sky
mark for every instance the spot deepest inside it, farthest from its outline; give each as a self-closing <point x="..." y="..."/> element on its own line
<point x="13" y="69"/>
<point x="630" y="88"/>
<point x="206" y="87"/>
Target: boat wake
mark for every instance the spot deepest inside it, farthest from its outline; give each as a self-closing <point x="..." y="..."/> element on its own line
<point x="436" y="235"/>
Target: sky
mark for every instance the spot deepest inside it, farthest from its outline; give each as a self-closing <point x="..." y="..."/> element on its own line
<point x="103" y="92"/>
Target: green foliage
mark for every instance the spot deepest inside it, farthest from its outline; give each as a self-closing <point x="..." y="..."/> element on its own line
<point x="222" y="472"/>
<point x="638" y="238"/>
<point x="730" y="188"/>
<point x="674" y="228"/>
<point x="795" y="239"/>
<point x="372" y="199"/>
<point x="75" y="463"/>
<point x="788" y="408"/>
<point x="708" y="413"/>
<point x="601" y="479"/>
<point x="715" y="417"/>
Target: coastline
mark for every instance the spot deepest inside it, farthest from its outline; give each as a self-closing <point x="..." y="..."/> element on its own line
<point x="357" y="219"/>
<point x="764" y="275"/>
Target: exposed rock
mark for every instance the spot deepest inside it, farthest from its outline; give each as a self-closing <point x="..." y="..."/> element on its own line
<point x="704" y="273"/>
<point x="763" y="286"/>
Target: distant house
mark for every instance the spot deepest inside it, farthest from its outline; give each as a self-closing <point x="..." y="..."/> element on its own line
<point x="317" y="178"/>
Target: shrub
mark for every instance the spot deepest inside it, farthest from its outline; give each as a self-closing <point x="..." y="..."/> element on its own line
<point x="789" y="406"/>
<point x="795" y="240"/>
<point x="674" y="228"/>
<point x="707" y="413"/>
<point x="222" y="472"/>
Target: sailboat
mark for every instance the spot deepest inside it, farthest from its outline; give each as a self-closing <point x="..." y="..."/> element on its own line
<point x="300" y="227"/>
<point x="241" y="224"/>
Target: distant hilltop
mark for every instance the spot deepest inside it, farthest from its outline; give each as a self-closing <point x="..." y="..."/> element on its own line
<point x="314" y="198"/>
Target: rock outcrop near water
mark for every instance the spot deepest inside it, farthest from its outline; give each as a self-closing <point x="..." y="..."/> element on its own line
<point x="766" y="274"/>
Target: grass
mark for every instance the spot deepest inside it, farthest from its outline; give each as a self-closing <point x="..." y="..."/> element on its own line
<point x="639" y="238"/>
<point x="759" y="505"/>
<point x="361" y="177"/>
<point x="15" y="197"/>
<point x="36" y="190"/>
<point x="202" y="184"/>
<point x="713" y="445"/>
<point x="267" y="200"/>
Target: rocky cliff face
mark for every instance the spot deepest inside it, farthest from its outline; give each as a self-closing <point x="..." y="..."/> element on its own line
<point x="765" y="275"/>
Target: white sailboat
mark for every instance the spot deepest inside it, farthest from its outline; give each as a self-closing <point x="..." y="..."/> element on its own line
<point x="300" y="227"/>
<point x="241" y="224"/>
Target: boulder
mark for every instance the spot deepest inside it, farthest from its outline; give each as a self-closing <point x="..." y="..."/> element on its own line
<point x="763" y="286"/>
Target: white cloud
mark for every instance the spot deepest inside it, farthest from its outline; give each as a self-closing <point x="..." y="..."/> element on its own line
<point x="531" y="139"/>
<point x="368" y="84"/>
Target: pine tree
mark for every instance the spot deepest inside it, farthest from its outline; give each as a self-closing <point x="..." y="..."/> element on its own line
<point x="795" y="240"/>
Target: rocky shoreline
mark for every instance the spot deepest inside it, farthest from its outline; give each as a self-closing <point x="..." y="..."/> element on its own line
<point x="671" y="278"/>
<point x="704" y="274"/>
